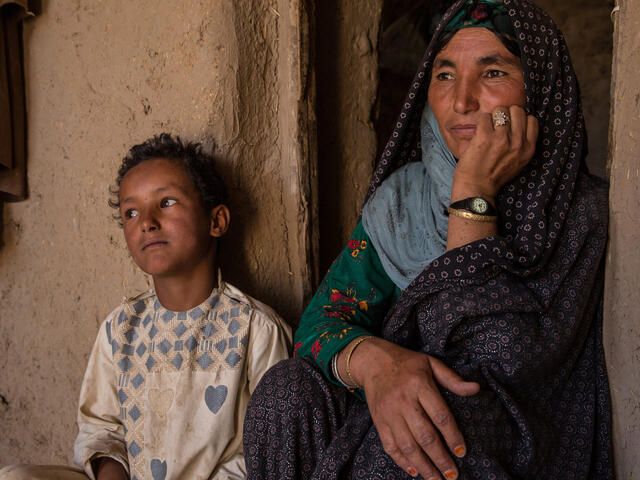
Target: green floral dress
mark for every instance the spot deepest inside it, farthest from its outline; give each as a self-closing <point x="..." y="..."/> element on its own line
<point x="352" y="300"/>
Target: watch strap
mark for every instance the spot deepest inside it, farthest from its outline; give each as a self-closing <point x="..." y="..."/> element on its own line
<point x="468" y="205"/>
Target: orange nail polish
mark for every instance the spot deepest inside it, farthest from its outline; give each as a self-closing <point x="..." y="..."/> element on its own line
<point x="451" y="474"/>
<point x="412" y="471"/>
<point x="460" y="451"/>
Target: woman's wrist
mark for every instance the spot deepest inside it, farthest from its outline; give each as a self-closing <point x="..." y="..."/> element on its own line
<point x="358" y="352"/>
<point x="463" y="188"/>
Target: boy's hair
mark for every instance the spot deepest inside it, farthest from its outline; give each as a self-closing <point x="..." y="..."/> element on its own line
<point x="199" y="167"/>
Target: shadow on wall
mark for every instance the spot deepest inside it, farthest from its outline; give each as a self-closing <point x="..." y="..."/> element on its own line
<point x="330" y="139"/>
<point x="1" y="224"/>
<point x="242" y="206"/>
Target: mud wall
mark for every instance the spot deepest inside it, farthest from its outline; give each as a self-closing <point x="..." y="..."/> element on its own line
<point x="102" y="76"/>
<point x="622" y="334"/>
<point x="347" y="82"/>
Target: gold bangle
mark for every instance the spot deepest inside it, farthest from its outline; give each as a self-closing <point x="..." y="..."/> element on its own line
<point x="472" y="216"/>
<point x="357" y="342"/>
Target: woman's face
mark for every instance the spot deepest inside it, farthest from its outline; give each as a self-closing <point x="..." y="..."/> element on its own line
<point x="473" y="74"/>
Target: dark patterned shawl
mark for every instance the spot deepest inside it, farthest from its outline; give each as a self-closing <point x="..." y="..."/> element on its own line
<point x="519" y="312"/>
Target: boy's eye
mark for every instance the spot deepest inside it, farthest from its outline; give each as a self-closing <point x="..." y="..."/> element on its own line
<point x="130" y="213"/>
<point x="167" y="202"/>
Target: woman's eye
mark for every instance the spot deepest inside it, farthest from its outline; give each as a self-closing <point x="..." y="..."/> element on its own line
<point x="167" y="202"/>
<point x="130" y="213"/>
<point x="495" y="73"/>
<point x="444" y="76"/>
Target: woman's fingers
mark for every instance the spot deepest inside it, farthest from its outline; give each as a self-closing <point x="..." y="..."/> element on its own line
<point x="451" y="380"/>
<point x="532" y="134"/>
<point x="518" y="126"/>
<point x="415" y="425"/>
<point x="415" y="445"/>
<point x="442" y="419"/>
<point x="391" y="448"/>
<point x="425" y="434"/>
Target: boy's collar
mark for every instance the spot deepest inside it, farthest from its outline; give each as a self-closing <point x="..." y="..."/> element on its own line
<point x="220" y="284"/>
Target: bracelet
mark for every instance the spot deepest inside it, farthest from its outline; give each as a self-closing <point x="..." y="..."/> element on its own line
<point x="336" y="373"/>
<point x="472" y="216"/>
<point x="349" y="353"/>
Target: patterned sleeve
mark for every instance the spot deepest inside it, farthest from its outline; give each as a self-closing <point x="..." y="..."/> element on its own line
<point x="100" y="430"/>
<point x="352" y="300"/>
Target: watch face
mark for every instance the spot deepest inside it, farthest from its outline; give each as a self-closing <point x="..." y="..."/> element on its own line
<point x="479" y="205"/>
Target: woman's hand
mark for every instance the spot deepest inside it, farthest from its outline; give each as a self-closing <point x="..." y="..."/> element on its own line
<point x="107" y="468"/>
<point x="411" y="416"/>
<point x="496" y="154"/>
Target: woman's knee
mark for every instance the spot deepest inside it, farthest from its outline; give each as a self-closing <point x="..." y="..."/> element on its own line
<point x="293" y="381"/>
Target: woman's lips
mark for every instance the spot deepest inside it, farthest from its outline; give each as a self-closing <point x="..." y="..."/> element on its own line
<point x="464" y="131"/>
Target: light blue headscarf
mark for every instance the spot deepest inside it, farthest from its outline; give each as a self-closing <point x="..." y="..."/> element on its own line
<point x="405" y="216"/>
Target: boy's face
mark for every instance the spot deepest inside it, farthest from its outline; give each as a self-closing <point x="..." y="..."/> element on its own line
<point x="168" y="231"/>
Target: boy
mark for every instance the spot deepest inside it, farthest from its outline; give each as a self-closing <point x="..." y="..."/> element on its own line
<point x="172" y="369"/>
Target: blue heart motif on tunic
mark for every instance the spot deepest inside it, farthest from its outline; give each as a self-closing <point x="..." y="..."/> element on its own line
<point x="215" y="397"/>
<point x="158" y="469"/>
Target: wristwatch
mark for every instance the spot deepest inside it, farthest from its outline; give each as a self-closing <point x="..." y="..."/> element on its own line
<point x="475" y="205"/>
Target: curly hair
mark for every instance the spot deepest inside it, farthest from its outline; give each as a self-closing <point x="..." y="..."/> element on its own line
<point x="199" y="167"/>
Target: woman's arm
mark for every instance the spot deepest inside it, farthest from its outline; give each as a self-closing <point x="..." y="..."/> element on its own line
<point x="406" y="406"/>
<point x="100" y="429"/>
<point x="352" y="301"/>
<point x="494" y="156"/>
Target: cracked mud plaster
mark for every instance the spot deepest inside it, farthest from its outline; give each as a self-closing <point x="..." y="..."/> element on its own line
<point x="621" y="334"/>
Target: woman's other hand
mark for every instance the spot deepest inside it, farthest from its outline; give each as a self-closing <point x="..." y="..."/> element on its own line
<point x="414" y="422"/>
<point x="496" y="154"/>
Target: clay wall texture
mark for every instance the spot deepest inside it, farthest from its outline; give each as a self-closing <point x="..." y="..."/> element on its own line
<point x="621" y="317"/>
<point x="102" y="76"/>
<point x="347" y="83"/>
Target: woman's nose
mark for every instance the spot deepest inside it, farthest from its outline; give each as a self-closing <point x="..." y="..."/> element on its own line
<point x="466" y="97"/>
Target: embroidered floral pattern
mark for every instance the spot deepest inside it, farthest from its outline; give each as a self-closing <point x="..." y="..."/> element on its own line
<point x="353" y="297"/>
<point x="317" y="347"/>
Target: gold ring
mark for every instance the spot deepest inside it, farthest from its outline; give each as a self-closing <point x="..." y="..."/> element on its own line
<point x="500" y="118"/>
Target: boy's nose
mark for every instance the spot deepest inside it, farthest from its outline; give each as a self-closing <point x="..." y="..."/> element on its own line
<point x="149" y="222"/>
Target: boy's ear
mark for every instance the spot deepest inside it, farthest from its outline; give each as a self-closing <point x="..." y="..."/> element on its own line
<point x="220" y="218"/>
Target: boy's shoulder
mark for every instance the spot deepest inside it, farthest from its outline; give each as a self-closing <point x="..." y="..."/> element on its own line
<point x="257" y="310"/>
<point x="131" y="306"/>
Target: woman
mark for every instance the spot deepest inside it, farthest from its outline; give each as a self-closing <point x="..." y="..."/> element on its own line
<point x="475" y="338"/>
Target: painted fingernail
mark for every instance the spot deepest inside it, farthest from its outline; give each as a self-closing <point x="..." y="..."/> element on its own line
<point x="451" y="474"/>
<point x="460" y="451"/>
<point x="412" y="471"/>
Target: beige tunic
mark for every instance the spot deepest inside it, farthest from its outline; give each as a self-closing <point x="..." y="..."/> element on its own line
<point x="165" y="392"/>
